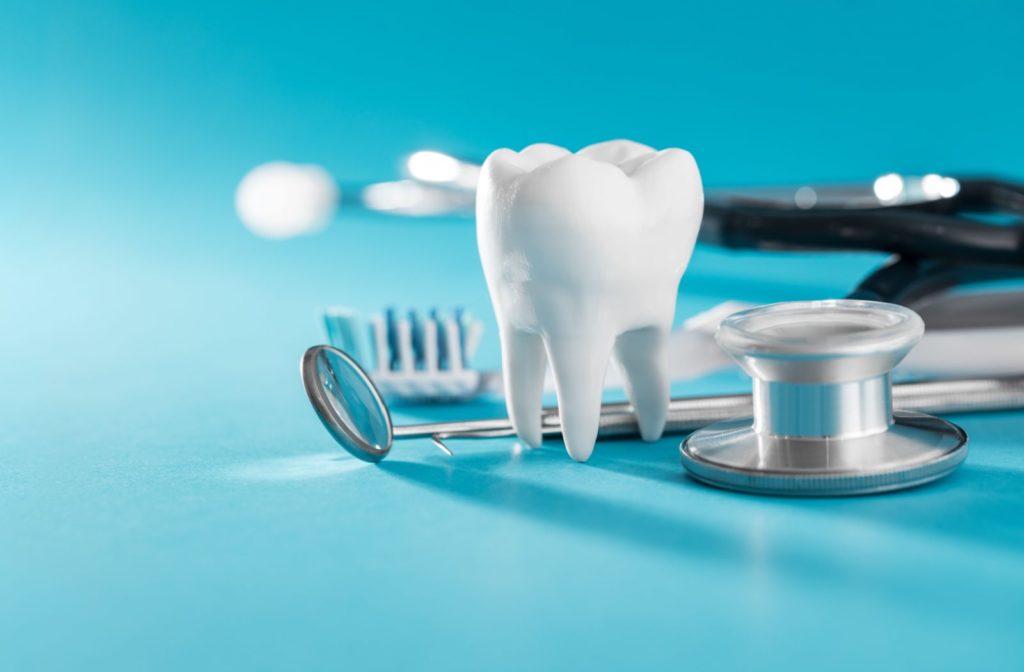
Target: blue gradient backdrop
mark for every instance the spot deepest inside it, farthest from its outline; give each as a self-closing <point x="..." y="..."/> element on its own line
<point x="167" y="498"/>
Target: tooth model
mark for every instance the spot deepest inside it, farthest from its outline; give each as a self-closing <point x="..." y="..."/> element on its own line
<point x="583" y="255"/>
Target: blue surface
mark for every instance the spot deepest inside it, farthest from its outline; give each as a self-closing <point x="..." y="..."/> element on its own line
<point x="168" y="499"/>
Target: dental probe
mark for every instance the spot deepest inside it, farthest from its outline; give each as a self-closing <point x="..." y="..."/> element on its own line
<point x="280" y="199"/>
<point x="355" y="414"/>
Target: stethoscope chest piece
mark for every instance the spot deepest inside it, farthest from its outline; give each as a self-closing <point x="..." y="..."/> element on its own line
<point x="823" y="421"/>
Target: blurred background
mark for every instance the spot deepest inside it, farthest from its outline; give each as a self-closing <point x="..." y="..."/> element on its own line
<point x="127" y="127"/>
<point x="144" y="325"/>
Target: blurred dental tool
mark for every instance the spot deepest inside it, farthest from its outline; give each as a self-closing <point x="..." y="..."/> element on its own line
<point x="439" y="168"/>
<point x="281" y="200"/>
<point x="415" y="356"/>
<point x="410" y="198"/>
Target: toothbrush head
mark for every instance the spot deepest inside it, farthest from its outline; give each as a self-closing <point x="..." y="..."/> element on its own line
<point x="282" y="200"/>
<point x="414" y="356"/>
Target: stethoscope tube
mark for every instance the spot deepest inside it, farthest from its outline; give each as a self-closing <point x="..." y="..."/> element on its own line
<point x="932" y="229"/>
<point x="982" y="194"/>
<point x="908" y="280"/>
<point x="889" y="229"/>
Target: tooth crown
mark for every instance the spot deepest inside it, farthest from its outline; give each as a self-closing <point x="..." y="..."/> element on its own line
<point x="583" y="254"/>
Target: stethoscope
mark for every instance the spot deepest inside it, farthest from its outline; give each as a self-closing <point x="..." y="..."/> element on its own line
<point x="826" y="428"/>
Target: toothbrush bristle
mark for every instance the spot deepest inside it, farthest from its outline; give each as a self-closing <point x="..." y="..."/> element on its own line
<point x="394" y="351"/>
<point x="416" y="325"/>
<point x="342" y="327"/>
<point x="475" y="332"/>
<point x="452" y="336"/>
<point x="460" y="323"/>
<point x="379" y="338"/>
<point x="413" y="354"/>
<point x="442" y="339"/>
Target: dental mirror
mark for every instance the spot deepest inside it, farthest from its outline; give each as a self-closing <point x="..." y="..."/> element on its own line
<point x="347" y="402"/>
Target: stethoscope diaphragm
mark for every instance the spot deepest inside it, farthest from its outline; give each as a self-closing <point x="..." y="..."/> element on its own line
<point x="823" y="422"/>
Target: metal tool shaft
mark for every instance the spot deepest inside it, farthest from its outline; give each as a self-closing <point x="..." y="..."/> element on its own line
<point x="686" y="414"/>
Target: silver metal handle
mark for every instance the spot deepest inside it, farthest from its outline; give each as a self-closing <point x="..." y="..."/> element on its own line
<point x="686" y="414"/>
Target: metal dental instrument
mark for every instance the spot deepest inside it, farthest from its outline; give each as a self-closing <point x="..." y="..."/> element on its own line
<point x="355" y="414"/>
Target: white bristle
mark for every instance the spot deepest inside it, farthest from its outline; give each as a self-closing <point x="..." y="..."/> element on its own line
<point x="282" y="200"/>
<point x="380" y="342"/>
<point x="430" y="345"/>
<point x="430" y="382"/>
<point x="451" y="331"/>
<point x="474" y="332"/>
<point x="405" y="353"/>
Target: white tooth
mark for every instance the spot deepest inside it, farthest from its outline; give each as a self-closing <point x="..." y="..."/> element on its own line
<point x="583" y="255"/>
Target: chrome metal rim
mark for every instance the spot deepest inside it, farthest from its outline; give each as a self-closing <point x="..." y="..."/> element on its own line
<point x="917" y="449"/>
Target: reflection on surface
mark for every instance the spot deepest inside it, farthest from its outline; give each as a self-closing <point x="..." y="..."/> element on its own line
<point x="295" y="468"/>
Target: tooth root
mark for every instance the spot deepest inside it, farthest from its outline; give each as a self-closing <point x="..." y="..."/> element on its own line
<point x="643" y="357"/>
<point x="523" y="362"/>
<point x="579" y="365"/>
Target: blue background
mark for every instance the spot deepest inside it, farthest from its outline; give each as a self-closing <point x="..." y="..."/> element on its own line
<point x="169" y="501"/>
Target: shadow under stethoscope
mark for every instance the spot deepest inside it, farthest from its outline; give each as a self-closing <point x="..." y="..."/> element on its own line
<point x="978" y="505"/>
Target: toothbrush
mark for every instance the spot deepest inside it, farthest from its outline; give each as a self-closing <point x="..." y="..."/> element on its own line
<point x="420" y="357"/>
<point x="414" y="356"/>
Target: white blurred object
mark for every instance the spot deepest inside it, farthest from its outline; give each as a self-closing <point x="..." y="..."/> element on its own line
<point x="968" y="335"/>
<point x="282" y="200"/>
<point x="430" y="166"/>
<point x="439" y="168"/>
<point x="411" y="198"/>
